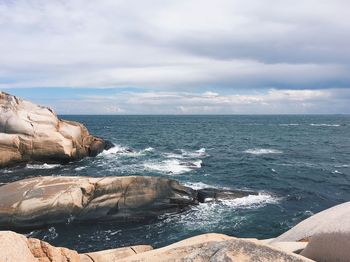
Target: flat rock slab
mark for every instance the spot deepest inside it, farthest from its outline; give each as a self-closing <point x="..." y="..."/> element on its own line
<point x="42" y="201"/>
<point x="217" y="247"/>
<point x="33" y="133"/>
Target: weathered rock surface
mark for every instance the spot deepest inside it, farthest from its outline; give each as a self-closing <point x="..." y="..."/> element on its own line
<point x="328" y="233"/>
<point x="17" y="248"/>
<point x="33" y="133"/>
<point x="111" y="255"/>
<point x="41" y="201"/>
<point x="217" y="247"/>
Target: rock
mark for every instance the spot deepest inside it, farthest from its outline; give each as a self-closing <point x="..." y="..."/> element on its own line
<point x="41" y="201"/>
<point x="114" y="254"/>
<point x="328" y="233"/>
<point x="17" y="248"/>
<point x="212" y="194"/>
<point x="216" y="247"/>
<point x="33" y="133"/>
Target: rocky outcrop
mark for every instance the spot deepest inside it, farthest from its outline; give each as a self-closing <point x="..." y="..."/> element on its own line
<point x="17" y="248"/>
<point x="208" y="247"/>
<point x="41" y="201"/>
<point x="116" y="254"/>
<point x="33" y="133"/>
<point x="217" y="247"/>
<point x="328" y="233"/>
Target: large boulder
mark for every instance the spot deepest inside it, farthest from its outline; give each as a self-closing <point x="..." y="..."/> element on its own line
<point x="327" y="232"/>
<point x="217" y="247"/>
<point x="41" y="201"/>
<point x="33" y="133"/>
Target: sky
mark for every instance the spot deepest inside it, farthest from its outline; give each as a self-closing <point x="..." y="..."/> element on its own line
<point x="178" y="56"/>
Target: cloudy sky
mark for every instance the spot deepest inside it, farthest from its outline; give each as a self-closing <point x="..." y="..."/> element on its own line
<point x="178" y="57"/>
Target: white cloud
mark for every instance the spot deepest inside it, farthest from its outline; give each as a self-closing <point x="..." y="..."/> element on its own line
<point x="272" y="101"/>
<point x="175" y="45"/>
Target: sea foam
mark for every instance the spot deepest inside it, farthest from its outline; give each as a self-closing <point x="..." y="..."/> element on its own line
<point x="262" y="151"/>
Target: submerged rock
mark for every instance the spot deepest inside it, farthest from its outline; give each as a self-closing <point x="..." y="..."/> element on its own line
<point x="33" y="133"/>
<point x="41" y="201"/>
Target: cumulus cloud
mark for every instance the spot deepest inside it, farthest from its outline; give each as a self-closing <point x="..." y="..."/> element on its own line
<point x="174" y="45"/>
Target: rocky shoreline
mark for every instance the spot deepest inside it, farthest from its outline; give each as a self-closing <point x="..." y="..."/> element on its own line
<point x="33" y="134"/>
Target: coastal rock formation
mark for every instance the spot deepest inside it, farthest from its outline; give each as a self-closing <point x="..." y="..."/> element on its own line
<point x="33" y="133"/>
<point x="17" y="248"/>
<point x="41" y="201"/>
<point x="328" y="233"/>
<point x="208" y="247"/>
<point x="217" y="247"/>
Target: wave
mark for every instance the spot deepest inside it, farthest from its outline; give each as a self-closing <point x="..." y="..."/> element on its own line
<point x="198" y="185"/>
<point x="262" y="151"/>
<point x="251" y="201"/>
<point x="188" y="154"/>
<point x="291" y="124"/>
<point x="42" y="166"/>
<point x="174" y="166"/>
<point x="126" y="151"/>
<point x="330" y="125"/>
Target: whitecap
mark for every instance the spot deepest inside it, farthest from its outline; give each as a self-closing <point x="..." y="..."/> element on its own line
<point x="291" y="124"/>
<point x="42" y="166"/>
<point x="198" y="185"/>
<point x="80" y="168"/>
<point x="262" y="151"/>
<point x="251" y="201"/>
<point x="125" y="151"/>
<point x="329" y="125"/>
<point x="198" y="153"/>
<point x="173" y="166"/>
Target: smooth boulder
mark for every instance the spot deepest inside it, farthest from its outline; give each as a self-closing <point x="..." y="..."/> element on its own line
<point x="33" y="133"/>
<point x="327" y="232"/>
<point x="41" y="201"/>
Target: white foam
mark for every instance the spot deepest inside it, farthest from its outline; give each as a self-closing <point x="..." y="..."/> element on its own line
<point x="251" y="201"/>
<point x="333" y="125"/>
<point x="80" y="168"/>
<point x="187" y="154"/>
<point x="198" y="185"/>
<point x="262" y="151"/>
<point x="291" y="124"/>
<point x="42" y="166"/>
<point x="125" y="151"/>
<point x="173" y="166"/>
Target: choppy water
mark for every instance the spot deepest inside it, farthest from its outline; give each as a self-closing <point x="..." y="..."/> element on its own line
<point x="299" y="164"/>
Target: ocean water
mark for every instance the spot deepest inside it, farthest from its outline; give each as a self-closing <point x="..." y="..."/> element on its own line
<point x="299" y="165"/>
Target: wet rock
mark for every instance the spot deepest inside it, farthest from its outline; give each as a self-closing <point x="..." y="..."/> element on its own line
<point x="33" y="133"/>
<point x="213" y="194"/>
<point x="41" y="201"/>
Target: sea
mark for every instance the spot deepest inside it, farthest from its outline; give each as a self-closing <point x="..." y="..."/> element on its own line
<point x="298" y="164"/>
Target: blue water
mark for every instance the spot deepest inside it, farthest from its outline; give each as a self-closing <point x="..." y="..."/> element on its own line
<point x="300" y="165"/>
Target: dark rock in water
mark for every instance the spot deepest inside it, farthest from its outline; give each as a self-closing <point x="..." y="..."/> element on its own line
<point x="42" y="201"/>
<point x="212" y="194"/>
<point x="108" y="144"/>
